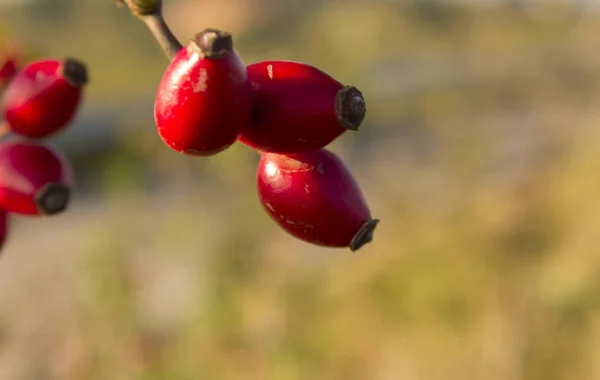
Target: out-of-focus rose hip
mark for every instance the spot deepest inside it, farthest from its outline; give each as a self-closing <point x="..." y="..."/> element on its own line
<point x="43" y="97"/>
<point x="298" y="107"/>
<point x="34" y="178"/>
<point x="204" y="97"/>
<point x="315" y="198"/>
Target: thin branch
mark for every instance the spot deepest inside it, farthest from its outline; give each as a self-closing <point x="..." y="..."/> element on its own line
<point x="150" y="12"/>
<point x="162" y="34"/>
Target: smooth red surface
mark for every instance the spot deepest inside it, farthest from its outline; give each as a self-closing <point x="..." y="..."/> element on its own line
<point x="39" y="102"/>
<point x="25" y="167"/>
<point x="313" y="196"/>
<point x="293" y="108"/>
<point x="3" y="227"/>
<point x="201" y="103"/>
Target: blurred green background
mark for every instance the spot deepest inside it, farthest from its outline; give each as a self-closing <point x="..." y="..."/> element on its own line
<point x="479" y="154"/>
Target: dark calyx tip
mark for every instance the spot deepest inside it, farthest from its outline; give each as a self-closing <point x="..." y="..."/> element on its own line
<point x="364" y="235"/>
<point x="75" y="72"/>
<point x="52" y="199"/>
<point x="350" y="107"/>
<point x="213" y="43"/>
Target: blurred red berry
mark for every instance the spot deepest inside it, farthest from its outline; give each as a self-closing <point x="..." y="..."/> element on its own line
<point x="315" y="198"/>
<point x="298" y="108"/>
<point x="43" y="97"/>
<point x="204" y="96"/>
<point x="34" y="178"/>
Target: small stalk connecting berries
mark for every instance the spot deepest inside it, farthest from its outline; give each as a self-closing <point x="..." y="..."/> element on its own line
<point x="151" y="14"/>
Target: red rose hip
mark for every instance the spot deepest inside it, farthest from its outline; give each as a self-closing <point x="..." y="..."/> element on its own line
<point x="315" y="198"/>
<point x="34" y="178"/>
<point x="298" y="107"/>
<point x="204" y="96"/>
<point x="44" y="97"/>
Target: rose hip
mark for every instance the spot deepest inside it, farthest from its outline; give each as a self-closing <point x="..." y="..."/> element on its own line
<point x="43" y="97"/>
<point x="34" y="178"/>
<point x="204" y="96"/>
<point x="298" y="107"/>
<point x="314" y="197"/>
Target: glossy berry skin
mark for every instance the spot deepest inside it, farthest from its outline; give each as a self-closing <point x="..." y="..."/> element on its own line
<point x="298" y="107"/>
<point x="34" y="178"/>
<point x="204" y="96"/>
<point x="314" y="197"/>
<point x="44" y="97"/>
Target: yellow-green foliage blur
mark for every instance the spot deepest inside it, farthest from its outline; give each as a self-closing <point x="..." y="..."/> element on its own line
<point x="480" y="154"/>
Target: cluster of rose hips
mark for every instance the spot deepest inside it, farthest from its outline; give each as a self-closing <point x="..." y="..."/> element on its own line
<point x="38" y="101"/>
<point x="287" y="111"/>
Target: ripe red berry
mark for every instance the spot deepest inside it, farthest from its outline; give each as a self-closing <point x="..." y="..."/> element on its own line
<point x="314" y="197"/>
<point x="43" y="97"/>
<point x="298" y="108"/>
<point x="34" y="178"/>
<point x="204" y="96"/>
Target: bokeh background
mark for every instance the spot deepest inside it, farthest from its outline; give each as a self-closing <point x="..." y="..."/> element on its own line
<point x="480" y="154"/>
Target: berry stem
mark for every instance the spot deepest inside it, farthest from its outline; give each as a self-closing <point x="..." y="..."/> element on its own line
<point x="150" y="12"/>
<point x="163" y="34"/>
